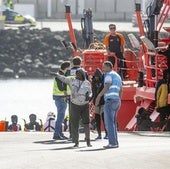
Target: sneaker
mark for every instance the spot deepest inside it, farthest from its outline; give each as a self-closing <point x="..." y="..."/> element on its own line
<point x="64" y="137"/>
<point x="58" y="138"/>
<point x="105" y="137"/>
<point x="76" y="145"/>
<point x="110" y="146"/>
<point x="89" y="145"/>
<point x="70" y="139"/>
<point x="98" y="137"/>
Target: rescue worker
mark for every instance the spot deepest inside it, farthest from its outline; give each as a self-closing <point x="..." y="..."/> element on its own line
<point x="14" y="126"/>
<point x="79" y="103"/>
<point x="76" y="63"/>
<point x="60" y="98"/>
<point x="9" y="4"/>
<point x="161" y="96"/>
<point x="114" y="43"/>
<point x="112" y="96"/>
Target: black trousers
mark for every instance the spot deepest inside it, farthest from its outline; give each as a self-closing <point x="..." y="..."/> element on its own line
<point x="79" y="112"/>
<point x="164" y="112"/>
<point x="98" y="123"/>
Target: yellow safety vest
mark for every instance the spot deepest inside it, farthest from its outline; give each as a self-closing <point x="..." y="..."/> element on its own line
<point x="68" y="90"/>
<point x="56" y="90"/>
<point x="9" y="5"/>
<point x="162" y="96"/>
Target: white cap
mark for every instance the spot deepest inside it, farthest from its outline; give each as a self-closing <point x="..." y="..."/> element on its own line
<point x="50" y="115"/>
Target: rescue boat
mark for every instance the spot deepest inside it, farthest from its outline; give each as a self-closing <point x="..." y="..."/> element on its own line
<point x="139" y="81"/>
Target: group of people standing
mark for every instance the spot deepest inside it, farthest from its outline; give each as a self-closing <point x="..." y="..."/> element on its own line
<point x="106" y="92"/>
<point x="77" y="93"/>
<point x="72" y="86"/>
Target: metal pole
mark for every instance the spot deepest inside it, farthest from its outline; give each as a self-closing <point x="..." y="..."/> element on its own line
<point x="1" y="19"/>
<point x="49" y="8"/>
<point x="71" y="30"/>
<point x="77" y="6"/>
<point x="95" y="6"/>
<point x="139" y="19"/>
<point x="155" y="40"/>
<point x="115" y="6"/>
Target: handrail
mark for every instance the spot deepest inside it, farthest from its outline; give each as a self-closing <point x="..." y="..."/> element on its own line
<point x="164" y="14"/>
<point x="153" y="68"/>
<point x="97" y="46"/>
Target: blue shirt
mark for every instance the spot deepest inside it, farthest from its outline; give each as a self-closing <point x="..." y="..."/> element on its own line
<point x="116" y="84"/>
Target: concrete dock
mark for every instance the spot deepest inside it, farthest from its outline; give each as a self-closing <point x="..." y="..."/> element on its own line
<point x="37" y="150"/>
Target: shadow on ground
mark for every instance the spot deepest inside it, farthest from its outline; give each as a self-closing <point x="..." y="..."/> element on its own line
<point x="151" y="134"/>
<point x="57" y="141"/>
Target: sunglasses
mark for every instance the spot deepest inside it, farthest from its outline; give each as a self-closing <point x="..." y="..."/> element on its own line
<point x="112" y="28"/>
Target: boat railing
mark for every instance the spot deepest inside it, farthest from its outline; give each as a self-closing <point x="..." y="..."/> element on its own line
<point x="154" y="66"/>
<point x="130" y="69"/>
<point x="96" y="55"/>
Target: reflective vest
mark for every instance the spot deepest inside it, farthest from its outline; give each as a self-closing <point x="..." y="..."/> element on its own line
<point x="162" y="96"/>
<point x="116" y="84"/>
<point x="56" y="90"/>
<point x="9" y="5"/>
<point x="68" y="90"/>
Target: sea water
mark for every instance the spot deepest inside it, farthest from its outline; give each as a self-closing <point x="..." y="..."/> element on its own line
<point x="23" y="97"/>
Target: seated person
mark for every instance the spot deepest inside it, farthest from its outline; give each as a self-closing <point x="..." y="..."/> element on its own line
<point x="144" y="123"/>
<point x="49" y="125"/>
<point x="33" y="124"/>
<point x="14" y="126"/>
